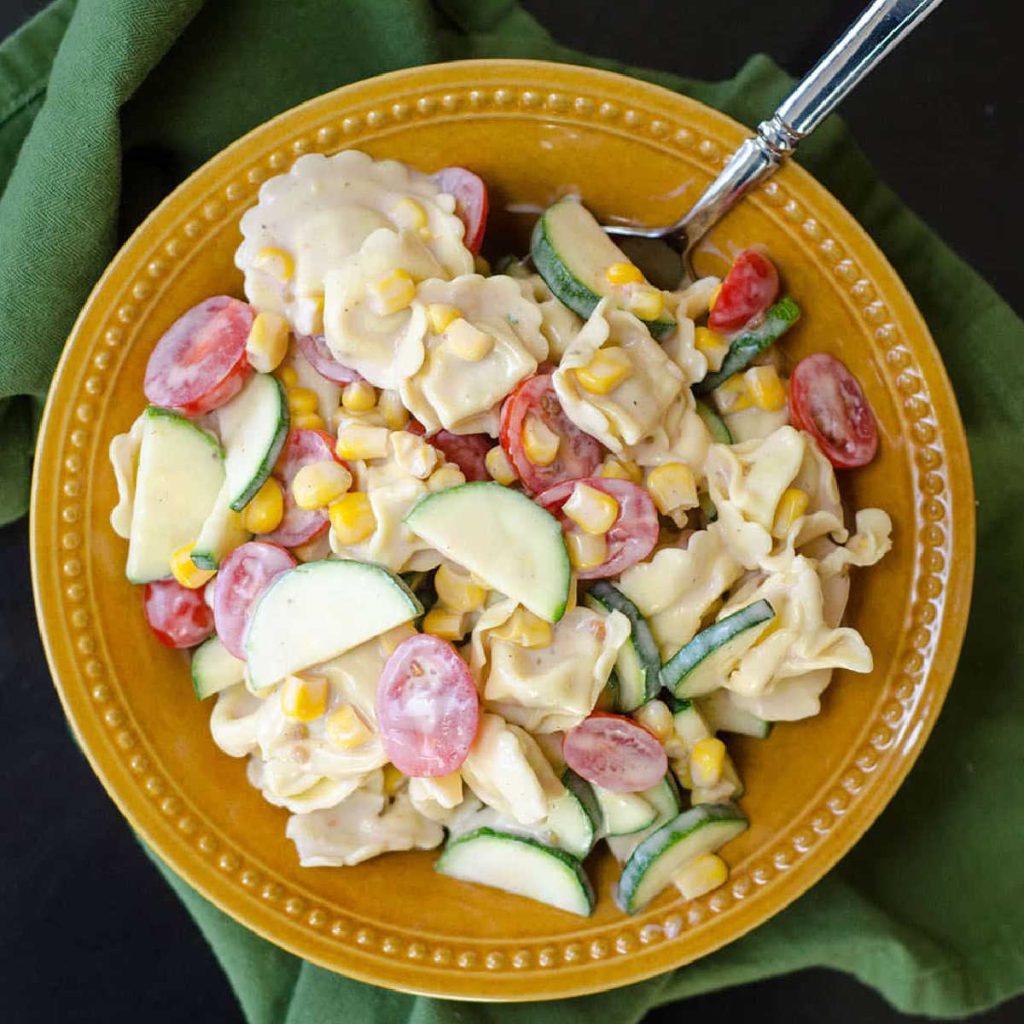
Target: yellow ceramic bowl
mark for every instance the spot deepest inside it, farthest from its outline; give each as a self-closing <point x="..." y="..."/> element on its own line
<point x="533" y="131"/>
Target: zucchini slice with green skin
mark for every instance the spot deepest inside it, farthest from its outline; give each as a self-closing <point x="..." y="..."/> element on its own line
<point x="665" y="799"/>
<point x="638" y="664"/>
<point x="704" y="663"/>
<point x="215" y="668"/>
<point x="722" y="715"/>
<point x="719" y="432"/>
<point x="572" y="252"/>
<point x="521" y="866"/>
<point x="751" y="342"/>
<point x="575" y="818"/>
<point x="652" y="864"/>
<point x="624" y="813"/>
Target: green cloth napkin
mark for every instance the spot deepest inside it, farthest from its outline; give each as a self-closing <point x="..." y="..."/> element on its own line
<point x="106" y="104"/>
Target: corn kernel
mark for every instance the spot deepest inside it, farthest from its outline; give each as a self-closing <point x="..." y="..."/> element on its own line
<point x="352" y="518"/>
<point x="619" y="469"/>
<point x="359" y="396"/>
<point x="445" y="623"/>
<point x="457" y="589"/>
<point x="267" y="343"/>
<point x="393" y="780"/>
<point x="391" y="293"/>
<point x="672" y="486"/>
<point x="591" y="510"/>
<point x="319" y="483"/>
<point x="288" y="376"/>
<point x="395" y="415"/>
<point x="586" y="550"/>
<point x="524" y="628"/>
<point x="413" y="454"/>
<point x="732" y="396"/>
<point x="764" y="388"/>
<point x="702" y="875"/>
<point x="302" y="401"/>
<point x="393" y="638"/>
<point x="499" y="467"/>
<point x="792" y="505"/>
<point x="706" y="761"/>
<point x="712" y="346"/>
<point x="304" y="698"/>
<point x="646" y="302"/>
<point x="467" y="342"/>
<point x="186" y="572"/>
<point x="656" y="717"/>
<point x="440" y="316"/>
<point x="540" y="442"/>
<point x="623" y="273"/>
<point x="444" y="477"/>
<point x="356" y="441"/>
<point x="265" y="510"/>
<point x="407" y="213"/>
<point x="308" y="421"/>
<point x="345" y="729"/>
<point x="606" y="371"/>
<point x="275" y="262"/>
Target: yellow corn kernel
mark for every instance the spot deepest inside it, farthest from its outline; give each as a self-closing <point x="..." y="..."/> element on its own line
<point x="672" y="486"/>
<point x="591" y="510"/>
<point x="656" y="717"/>
<point x="524" y="628"/>
<point x="586" y="550"/>
<point x="792" y="505"/>
<point x="267" y="343"/>
<point x="359" y="396"/>
<point x="618" y="469"/>
<point x="732" y="396"/>
<point x="302" y="401"/>
<point x="540" y="442"/>
<point x="764" y="388"/>
<point x="345" y="729"/>
<point x="319" y="483"/>
<point x="712" y="346"/>
<point x="623" y="273"/>
<point x="445" y="623"/>
<point x="265" y="510"/>
<point x="186" y="572"/>
<point x="440" y="316"/>
<point x="467" y="342"/>
<point x="352" y="518"/>
<point x="391" y="293"/>
<point x="701" y="876"/>
<point x="275" y="262"/>
<point x="499" y="467"/>
<point x="308" y="421"/>
<point x="288" y="376"/>
<point x="356" y="441"/>
<point x="646" y="302"/>
<point x="395" y="415"/>
<point x="458" y="590"/>
<point x="606" y="371"/>
<point x="393" y="638"/>
<point x="444" y="477"/>
<point x="706" y="761"/>
<point x="393" y="780"/>
<point x="304" y="698"/>
<point x="416" y="456"/>
<point x="407" y="213"/>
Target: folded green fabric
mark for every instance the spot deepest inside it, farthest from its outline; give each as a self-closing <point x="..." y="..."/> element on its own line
<point x="104" y="106"/>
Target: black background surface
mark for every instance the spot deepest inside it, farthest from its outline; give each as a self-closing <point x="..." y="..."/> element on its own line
<point x="88" y="930"/>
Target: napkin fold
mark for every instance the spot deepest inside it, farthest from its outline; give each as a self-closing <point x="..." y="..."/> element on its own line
<point x="106" y="104"/>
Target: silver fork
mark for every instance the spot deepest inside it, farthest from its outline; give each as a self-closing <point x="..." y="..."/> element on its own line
<point x="879" y="29"/>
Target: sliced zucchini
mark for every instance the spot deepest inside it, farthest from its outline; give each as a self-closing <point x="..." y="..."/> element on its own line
<point x="521" y="866"/>
<point x="665" y="799"/>
<point x="639" y="662"/>
<point x="715" y="424"/>
<point x="652" y="864"/>
<point x="622" y="814"/>
<point x="572" y="253"/>
<point x="690" y="725"/>
<point x="751" y="342"/>
<point x="575" y="817"/>
<point x="215" y="668"/>
<point x="722" y="715"/>
<point x="705" y="662"/>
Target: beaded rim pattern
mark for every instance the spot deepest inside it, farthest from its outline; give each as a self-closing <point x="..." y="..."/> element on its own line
<point x="592" y="956"/>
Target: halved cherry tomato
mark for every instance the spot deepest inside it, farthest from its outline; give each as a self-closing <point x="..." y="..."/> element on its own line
<point x="467" y="451"/>
<point x="616" y="753"/>
<point x="427" y="707"/>
<point x="633" y="534"/>
<point x="579" y="454"/>
<point x="827" y="401"/>
<point x="299" y="525"/>
<point x="321" y="358"/>
<point x="471" y="202"/>
<point x="178" y="616"/>
<point x="241" y="580"/>
<point x="749" y="288"/>
<point x="200" y="362"/>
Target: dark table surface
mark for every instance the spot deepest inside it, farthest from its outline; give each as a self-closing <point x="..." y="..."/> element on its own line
<point x="88" y="930"/>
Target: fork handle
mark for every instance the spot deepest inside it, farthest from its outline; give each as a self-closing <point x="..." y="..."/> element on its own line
<point x="881" y="26"/>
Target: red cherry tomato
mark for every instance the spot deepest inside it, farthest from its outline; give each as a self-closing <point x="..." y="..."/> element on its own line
<point x="749" y="288"/>
<point x="427" y="707"/>
<point x="467" y="451"/>
<point x="200" y="362"/>
<point x="579" y="454"/>
<point x="471" y="202"/>
<point x="633" y="534"/>
<point x="241" y="580"/>
<point x="826" y="400"/>
<point x="615" y="753"/>
<point x="321" y="358"/>
<point x="299" y="525"/>
<point x="178" y="616"/>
